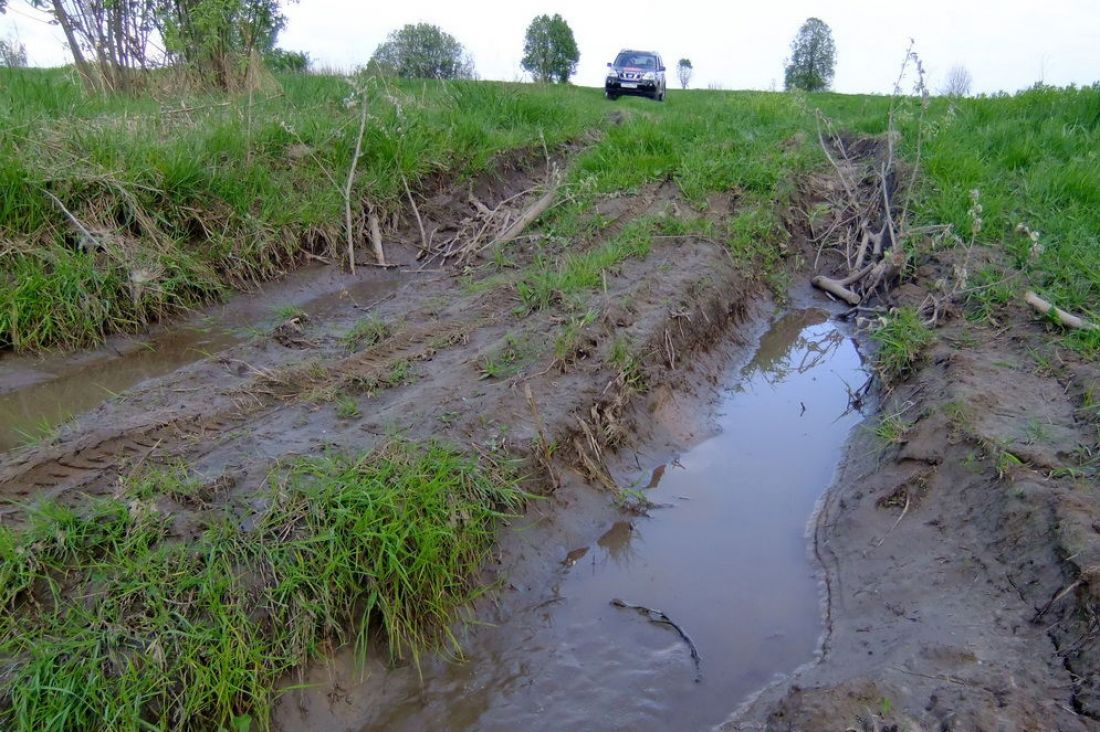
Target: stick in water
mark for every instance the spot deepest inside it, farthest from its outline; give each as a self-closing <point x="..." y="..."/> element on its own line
<point x="656" y="616"/>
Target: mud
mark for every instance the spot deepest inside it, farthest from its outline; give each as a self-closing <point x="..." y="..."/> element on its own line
<point x="722" y="553"/>
<point x="960" y="563"/>
<point x="39" y="394"/>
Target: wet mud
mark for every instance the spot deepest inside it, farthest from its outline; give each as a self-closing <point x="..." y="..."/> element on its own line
<point x="722" y="554"/>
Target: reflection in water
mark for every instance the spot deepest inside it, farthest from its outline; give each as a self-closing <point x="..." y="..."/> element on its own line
<point x="729" y="565"/>
<point x="798" y="343"/>
<point x="616" y="540"/>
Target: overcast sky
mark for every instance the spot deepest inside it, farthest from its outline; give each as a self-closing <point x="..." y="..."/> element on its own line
<point x="1006" y="45"/>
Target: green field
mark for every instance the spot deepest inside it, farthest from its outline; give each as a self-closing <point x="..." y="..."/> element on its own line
<point x="183" y="199"/>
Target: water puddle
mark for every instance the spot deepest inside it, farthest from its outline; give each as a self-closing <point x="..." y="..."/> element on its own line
<point x="727" y="562"/>
<point x="39" y="393"/>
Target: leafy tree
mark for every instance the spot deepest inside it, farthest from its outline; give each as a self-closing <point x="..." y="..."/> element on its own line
<point x="218" y="38"/>
<point x="13" y="54"/>
<point x="813" y="58"/>
<point x="684" y="70"/>
<point x="422" y="51"/>
<point x="109" y="39"/>
<point x="550" y="51"/>
<point x="957" y="83"/>
<point x="287" y="62"/>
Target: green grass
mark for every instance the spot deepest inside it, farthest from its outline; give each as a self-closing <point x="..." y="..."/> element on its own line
<point x="506" y="360"/>
<point x="347" y="407"/>
<point x="110" y="622"/>
<point x="365" y="333"/>
<point x="189" y="197"/>
<point x="902" y="339"/>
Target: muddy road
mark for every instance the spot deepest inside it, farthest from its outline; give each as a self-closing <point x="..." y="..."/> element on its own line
<point x="947" y="579"/>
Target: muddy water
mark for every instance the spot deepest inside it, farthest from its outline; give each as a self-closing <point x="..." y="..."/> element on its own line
<point x="38" y="393"/>
<point x="727" y="560"/>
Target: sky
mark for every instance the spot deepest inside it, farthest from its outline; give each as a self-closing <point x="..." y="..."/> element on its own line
<point x="1006" y="45"/>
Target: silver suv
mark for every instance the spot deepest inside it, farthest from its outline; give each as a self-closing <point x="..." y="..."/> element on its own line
<point x="638" y="73"/>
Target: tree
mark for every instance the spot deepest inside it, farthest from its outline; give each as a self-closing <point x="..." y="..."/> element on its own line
<point x="287" y="62"/>
<point x="109" y="39"/>
<point x="957" y="83"/>
<point x="13" y="53"/>
<point x="813" y="58"/>
<point x="684" y="70"/>
<point x="550" y="51"/>
<point x="422" y="51"/>
<point x="218" y="38"/>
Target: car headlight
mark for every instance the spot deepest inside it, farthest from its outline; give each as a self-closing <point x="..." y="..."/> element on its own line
<point x="649" y="76"/>
<point x="612" y="74"/>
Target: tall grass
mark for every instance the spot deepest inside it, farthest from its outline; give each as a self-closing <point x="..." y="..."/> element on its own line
<point x="109" y="621"/>
<point x="182" y="199"/>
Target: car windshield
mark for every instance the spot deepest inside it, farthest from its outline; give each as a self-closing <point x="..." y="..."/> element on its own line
<point x="636" y="60"/>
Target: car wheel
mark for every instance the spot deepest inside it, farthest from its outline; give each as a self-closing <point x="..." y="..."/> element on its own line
<point x="612" y="97"/>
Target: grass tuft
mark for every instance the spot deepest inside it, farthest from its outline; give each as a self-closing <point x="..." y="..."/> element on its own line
<point x="110" y="621"/>
<point x="902" y="339"/>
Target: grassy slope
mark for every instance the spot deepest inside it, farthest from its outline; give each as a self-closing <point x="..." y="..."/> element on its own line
<point x="184" y="203"/>
<point x="1028" y="155"/>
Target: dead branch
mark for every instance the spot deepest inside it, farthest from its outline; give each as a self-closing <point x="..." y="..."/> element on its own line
<point x="530" y="215"/>
<point x="376" y="239"/>
<point x="90" y="242"/>
<point x="351" y="181"/>
<point x="835" y="288"/>
<point x="1067" y="319"/>
<point x="416" y="213"/>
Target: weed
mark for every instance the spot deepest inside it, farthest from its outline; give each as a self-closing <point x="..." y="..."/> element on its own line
<point x="365" y="333"/>
<point x="290" y="312"/>
<point x="902" y="338"/>
<point x="624" y="357"/>
<point x="1036" y="431"/>
<point x="507" y="360"/>
<point x="347" y="407"/>
<point x="173" y="481"/>
<point x="892" y="428"/>
<point x="400" y="373"/>
<point x="571" y="344"/>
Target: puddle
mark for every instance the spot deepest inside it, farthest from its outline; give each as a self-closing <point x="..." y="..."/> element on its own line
<point x="38" y="393"/>
<point x="727" y="562"/>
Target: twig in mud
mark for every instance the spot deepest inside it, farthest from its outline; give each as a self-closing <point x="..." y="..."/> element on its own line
<point x="1057" y="596"/>
<point x="1067" y="319"/>
<point x="660" y="618"/>
<point x="545" y="449"/>
<point x="904" y="511"/>
<point x="416" y="212"/>
<point x="376" y="239"/>
<point x="538" y="208"/>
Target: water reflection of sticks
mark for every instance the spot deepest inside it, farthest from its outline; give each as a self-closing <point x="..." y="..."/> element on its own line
<point x="811" y="348"/>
